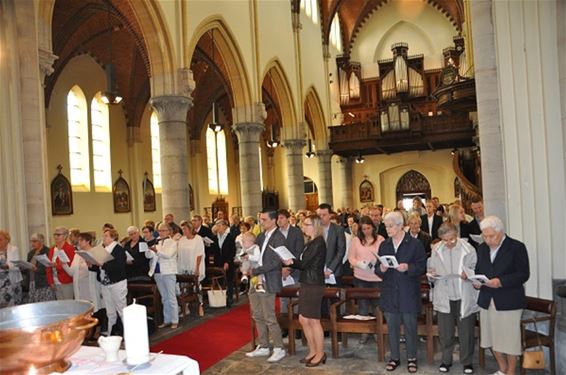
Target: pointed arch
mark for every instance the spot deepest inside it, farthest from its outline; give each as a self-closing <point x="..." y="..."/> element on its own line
<point x="229" y="53"/>
<point x="385" y="41"/>
<point x="315" y="119"/>
<point x="284" y="96"/>
<point x="155" y="35"/>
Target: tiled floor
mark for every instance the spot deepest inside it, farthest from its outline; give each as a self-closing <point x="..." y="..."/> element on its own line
<point x="356" y="359"/>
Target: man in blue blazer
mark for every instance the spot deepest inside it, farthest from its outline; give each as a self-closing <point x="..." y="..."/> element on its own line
<point x="505" y="262"/>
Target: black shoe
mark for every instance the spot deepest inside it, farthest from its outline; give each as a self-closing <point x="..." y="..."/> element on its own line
<point x="444" y="367"/>
<point x="298" y="335"/>
<point x="284" y="333"/>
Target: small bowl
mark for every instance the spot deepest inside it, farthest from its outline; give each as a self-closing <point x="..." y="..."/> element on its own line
<point x="43" y="335"/>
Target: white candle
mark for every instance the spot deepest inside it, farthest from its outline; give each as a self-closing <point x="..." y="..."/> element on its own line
<point x="135" y="334"/>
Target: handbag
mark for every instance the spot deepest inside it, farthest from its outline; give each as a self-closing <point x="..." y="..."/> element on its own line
<point x="534" y="360"/>
<point x="216" y="295"/>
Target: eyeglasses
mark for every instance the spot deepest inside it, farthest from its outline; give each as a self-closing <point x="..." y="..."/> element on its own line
<point x="308" y="224"/>
<point x="452" y="241"/>
<point x="58" y="234"/>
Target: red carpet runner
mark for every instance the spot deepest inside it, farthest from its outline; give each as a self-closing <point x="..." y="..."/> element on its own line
<point x="213" y="340"/>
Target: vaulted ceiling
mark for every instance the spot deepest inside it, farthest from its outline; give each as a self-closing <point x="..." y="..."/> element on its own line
<point x="354" y="13"/>
<point x="91" y="27"/>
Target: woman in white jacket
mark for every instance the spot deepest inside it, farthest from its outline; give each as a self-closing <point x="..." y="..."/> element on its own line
<point x="454" y="298"/>
<point x="163" y="267"/>
<point x="10" y="275"/>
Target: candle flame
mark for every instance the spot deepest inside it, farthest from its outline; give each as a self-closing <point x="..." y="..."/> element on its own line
<point x="32" y="370"/>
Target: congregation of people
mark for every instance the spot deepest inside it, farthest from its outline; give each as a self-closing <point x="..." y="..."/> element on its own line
<point x="439" y="244"/>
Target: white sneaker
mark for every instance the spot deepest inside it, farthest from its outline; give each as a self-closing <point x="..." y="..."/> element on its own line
<point x="258" y="352"/>
<point x="498" y="373"/>
<point x="278" y="354"/>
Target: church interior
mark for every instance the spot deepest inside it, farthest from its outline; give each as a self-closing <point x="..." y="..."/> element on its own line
<point x="122" y="111"/>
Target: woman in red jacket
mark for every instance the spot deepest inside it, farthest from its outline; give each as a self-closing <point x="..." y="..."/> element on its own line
<point x="60" y="255"/>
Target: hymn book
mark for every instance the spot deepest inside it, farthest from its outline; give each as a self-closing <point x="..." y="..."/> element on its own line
<point x="22" y="264"/>
<point x="283" y="252"/>
<point x="96" y="255"/>
<point x="43" y="259"/>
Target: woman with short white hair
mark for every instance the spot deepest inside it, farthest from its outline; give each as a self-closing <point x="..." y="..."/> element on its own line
<point x="400" y="289"/>
<point x="39" y="289"/>
<point x="505" y="262"/>
<point x="454" y="298"/>
<point x="164" y="269"/>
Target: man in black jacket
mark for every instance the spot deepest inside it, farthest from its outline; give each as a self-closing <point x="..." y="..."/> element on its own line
<point x="210" y="244"/>
<point x="225" y="257"/>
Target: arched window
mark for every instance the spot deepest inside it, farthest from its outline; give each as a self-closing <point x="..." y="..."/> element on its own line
<point x="101" y="145"/>
<point x="155" y="152"/>
<point x="311" y="9"/>
<point x="216" y="161"/>
<point x="336" y="33"/>
<point x="77" y="127"/>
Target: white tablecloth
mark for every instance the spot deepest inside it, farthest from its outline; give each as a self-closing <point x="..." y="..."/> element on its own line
<point x="90" y="360"/>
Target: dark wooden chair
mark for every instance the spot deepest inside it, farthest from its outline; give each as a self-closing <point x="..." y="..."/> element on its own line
<point x="190" y="292"/>
<point x="350" y="297"/>
<point x="546" y="312"/>
<point x="147" y="294"/>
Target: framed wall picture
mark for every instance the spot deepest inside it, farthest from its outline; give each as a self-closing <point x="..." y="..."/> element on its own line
<point x="121" y="195"/>
<point x="61" y="195"/>
<point x="366" y="191"/>
<point x="148" y="194"/>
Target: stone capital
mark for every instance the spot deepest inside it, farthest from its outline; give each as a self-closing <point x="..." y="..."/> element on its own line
<point x="186" y="82"/>
<point x="294" y="144"/>
<point x="171" y="108"/>
<point x="46" y="60"/>
<point x="248" y="131"/>
<point x="253" y="113"/>
<point x="325" y="154"/>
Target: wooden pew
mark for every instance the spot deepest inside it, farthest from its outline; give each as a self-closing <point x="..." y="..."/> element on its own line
<point x="350" y="297"/>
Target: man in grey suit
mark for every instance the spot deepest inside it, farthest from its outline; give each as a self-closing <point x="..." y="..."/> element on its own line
<point x="335" y="243"/>
<point x="295" y="242"/>
<point x="263" y="303"/>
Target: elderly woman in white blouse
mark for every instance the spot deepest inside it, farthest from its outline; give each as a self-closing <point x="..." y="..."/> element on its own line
<point x="454" y="298"/>
<point x="190" y="257"/>
<point x="10" y="275"/>
<point x="163" y="268"/>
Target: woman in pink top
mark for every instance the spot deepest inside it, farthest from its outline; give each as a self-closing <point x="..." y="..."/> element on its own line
<point x="362" y="254"/>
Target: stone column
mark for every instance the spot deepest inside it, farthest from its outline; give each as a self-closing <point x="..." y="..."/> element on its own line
<point x="487" y="93"/>
<point x="294" y="155"/>
<point x="171" y="111"/>
<point x="346" y="192"/>
<point x="249" y="134"/>
<point x="325" y="176"/>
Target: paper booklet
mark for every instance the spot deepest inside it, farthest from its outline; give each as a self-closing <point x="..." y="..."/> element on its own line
<point x="482" y="279"/>
<point x="442" y="277"/>
<point x="143" y="247"/>
<point x="283" y="252"/>
<point x="129" y="257"/>
<point x="359" y="317"/>
<point x="43" y="259"/>
<point x="477" y="238"/>
<point x="207" y="241"/>
<point x="22" y="264"/>
<point x="288" y="280"/>
<point x="471" y="275"/>
<point x="330" y="279"/>
<point x="389" y="261"/>
<point x="63" y="256"/>
<point x="96" y="255"/>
